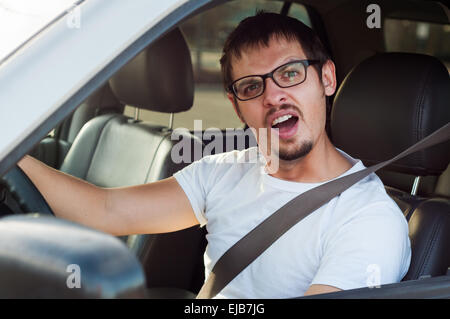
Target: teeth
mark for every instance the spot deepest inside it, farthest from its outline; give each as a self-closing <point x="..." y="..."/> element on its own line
<point x="281" y="119"/>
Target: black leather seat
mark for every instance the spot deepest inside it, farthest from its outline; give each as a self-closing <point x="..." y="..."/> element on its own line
<point x="114" y="150"/>
<point x="387" y="103"/>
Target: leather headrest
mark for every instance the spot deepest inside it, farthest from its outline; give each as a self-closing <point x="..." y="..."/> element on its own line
<point x="388" y="103"/>
<point x="104" y="101"/>
<point x="160" y="78"/>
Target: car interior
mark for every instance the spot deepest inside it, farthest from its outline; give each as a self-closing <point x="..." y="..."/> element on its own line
<point x="386" y="102"/>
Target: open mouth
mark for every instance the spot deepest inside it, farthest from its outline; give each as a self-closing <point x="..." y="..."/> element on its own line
<point x="286" y="125"/>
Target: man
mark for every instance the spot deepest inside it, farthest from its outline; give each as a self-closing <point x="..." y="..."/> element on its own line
<point x="278" y="77"/>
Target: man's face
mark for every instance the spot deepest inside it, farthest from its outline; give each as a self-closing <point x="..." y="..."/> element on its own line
<point x="305" y="103"/>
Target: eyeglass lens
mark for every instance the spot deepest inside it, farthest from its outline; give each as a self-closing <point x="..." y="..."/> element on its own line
<point x="285" y="76"/>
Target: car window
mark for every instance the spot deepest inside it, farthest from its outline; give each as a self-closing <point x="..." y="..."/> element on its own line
<point x="418" y="37"/>
<point x="299" y="12"/>
<point x="21" y="19"/>
<point x="205" y="34"/>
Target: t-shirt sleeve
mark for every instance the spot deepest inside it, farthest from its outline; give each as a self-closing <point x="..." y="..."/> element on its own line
<point x="370" y="250"/>
<point x="195" y="179"/>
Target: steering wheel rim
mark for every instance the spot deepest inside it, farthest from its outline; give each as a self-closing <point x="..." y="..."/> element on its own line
<point x="25" y="192"/>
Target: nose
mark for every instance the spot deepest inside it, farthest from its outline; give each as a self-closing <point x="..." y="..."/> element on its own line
<point x="273" y="95"/>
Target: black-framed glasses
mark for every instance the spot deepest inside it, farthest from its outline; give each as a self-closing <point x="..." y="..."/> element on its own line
<point x="286" y="75"/>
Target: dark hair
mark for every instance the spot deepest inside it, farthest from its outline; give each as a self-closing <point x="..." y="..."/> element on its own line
<point x="259" y="29"/>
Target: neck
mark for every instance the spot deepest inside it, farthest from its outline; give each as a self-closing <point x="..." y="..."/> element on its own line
<point x="324" y="162"/>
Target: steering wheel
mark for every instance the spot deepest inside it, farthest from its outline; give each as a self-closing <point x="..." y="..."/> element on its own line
<point x="18" y="195"/>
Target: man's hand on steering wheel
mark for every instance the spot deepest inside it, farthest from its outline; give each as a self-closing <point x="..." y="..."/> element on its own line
<point x="18" y="195"/>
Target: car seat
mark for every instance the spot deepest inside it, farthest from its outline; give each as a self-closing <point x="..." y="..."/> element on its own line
<point x="384" y="105"/>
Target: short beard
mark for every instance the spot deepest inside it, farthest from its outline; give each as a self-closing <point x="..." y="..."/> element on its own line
<point x="298" y="153"/>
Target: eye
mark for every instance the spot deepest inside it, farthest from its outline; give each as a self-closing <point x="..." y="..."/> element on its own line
<point x="290" y="75"/>
<point x="250" y="88"/>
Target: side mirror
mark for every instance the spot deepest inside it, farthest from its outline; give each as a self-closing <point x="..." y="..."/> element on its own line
<point x="47" y="257"/>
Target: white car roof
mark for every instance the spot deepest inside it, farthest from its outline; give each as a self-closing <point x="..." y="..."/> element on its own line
<point x="58" y="62"/>
<point x="20" y="20"/>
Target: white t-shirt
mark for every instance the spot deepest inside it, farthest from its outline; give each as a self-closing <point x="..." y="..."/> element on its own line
<point x="358" y="239"/>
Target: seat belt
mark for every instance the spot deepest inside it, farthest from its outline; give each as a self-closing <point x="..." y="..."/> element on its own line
<point x="248" y="248"/>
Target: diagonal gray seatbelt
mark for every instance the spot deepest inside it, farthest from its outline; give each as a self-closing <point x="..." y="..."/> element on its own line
<point x="248" y="248"/>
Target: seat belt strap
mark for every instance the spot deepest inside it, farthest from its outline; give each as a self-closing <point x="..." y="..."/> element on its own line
<point x="248" y="248"/>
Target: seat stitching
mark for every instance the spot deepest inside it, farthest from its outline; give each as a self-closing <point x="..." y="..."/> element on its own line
<point x="420" y="111"/>
<point x="429" y="247"/>
<point x="163" y="137"/>
<point x="143" y="250"/>
<point x="102" y="130"/>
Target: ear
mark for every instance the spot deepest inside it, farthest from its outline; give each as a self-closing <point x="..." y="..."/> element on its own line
<point x="329" y="77"/>
<point x="233" y="101"/>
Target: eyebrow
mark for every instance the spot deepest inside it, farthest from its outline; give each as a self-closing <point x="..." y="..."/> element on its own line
<point x="245" y="83"/>
<point x="290" y="59"/>
<point x="249" y="79"/>
<point x="287" y="60"/>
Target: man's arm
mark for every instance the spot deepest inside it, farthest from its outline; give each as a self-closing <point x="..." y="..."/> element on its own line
<point x="320" y="289"/>
<point x="150" y="208"/>
<point x="371" y="246"/>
